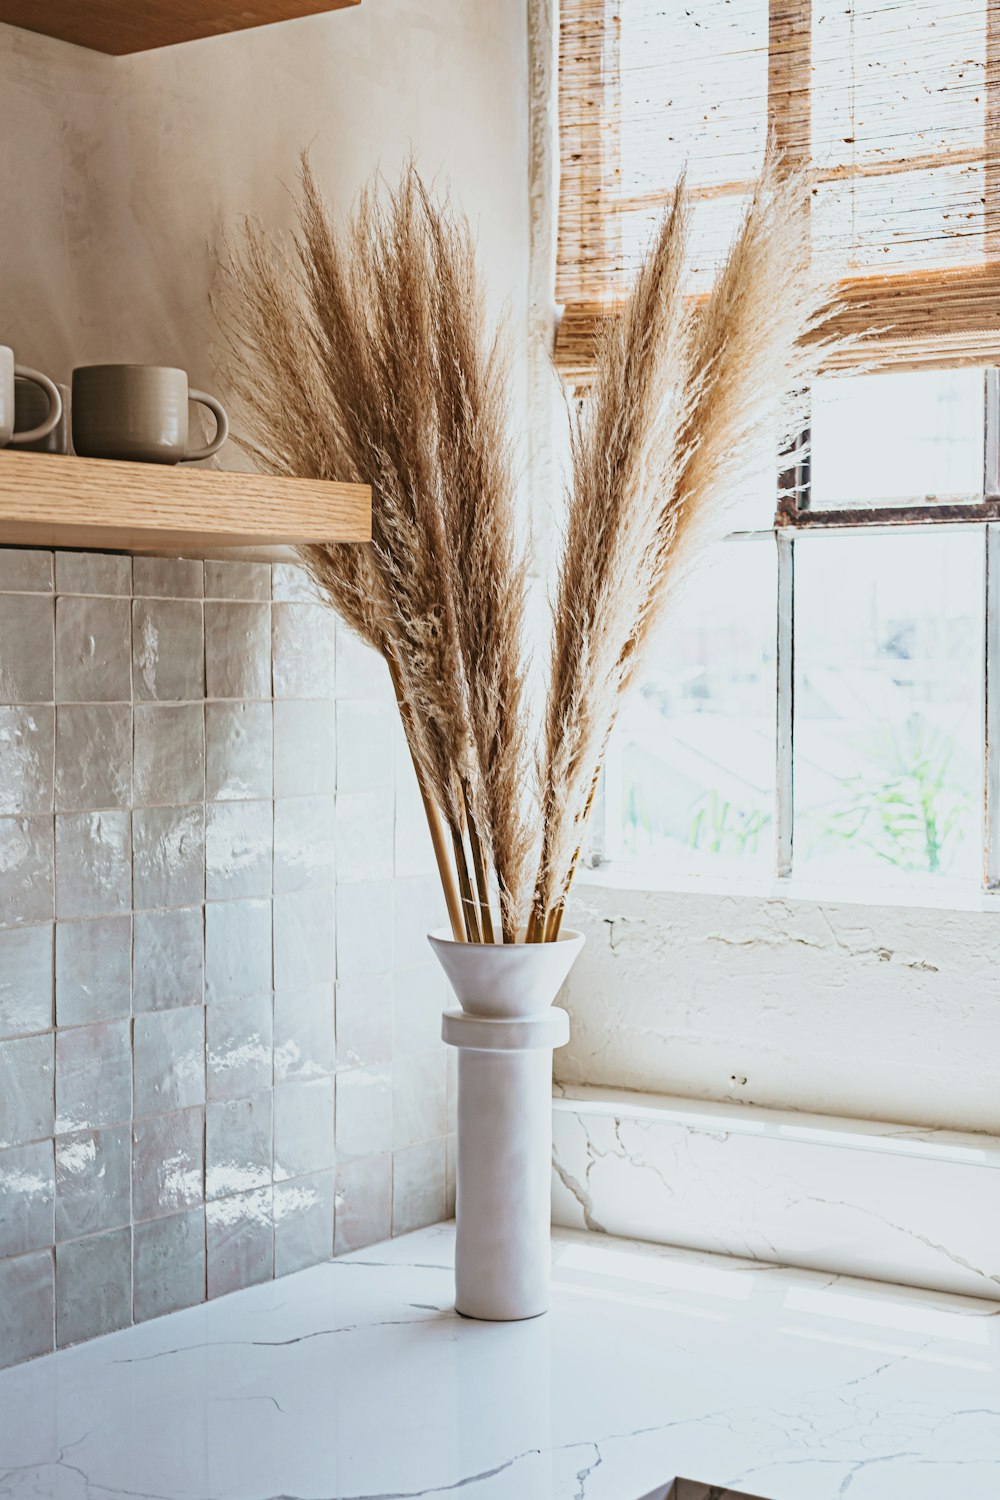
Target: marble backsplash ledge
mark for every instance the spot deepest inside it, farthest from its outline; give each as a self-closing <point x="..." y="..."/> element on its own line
<point x="219" y="1050"/>
<point x="851" y="1197"/>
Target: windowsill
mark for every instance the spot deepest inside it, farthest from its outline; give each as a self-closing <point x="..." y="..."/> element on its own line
<point x="851" y="1196"/>
<point x="805" y="1127"/>
<point x="639" y="875"/>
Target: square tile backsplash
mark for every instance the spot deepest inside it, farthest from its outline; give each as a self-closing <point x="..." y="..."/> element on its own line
<point x="219" y="1021"/>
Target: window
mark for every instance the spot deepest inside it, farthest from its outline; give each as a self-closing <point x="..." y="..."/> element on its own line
<point x="826" y="700"/>
<point x="821" y="700"/>
<point x="917" y="436"/>
<point x="888" y="734"/>
<point x="690" y="775"/>
<point x="894" y="107"/>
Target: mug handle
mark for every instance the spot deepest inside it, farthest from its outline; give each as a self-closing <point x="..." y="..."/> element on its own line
<point x="31" y="434"/>
<point x="221" y="426"/>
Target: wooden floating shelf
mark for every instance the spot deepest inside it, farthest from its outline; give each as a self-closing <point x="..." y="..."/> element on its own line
<point x="123" y="26"/>
<point x="47" y="500"/>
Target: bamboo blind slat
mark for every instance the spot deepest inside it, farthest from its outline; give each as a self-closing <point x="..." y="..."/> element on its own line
<point x="906" y="322"/>
<point x="894" y="104"/>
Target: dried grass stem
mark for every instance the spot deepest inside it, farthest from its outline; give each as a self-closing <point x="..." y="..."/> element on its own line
<point x="365" y="353"/>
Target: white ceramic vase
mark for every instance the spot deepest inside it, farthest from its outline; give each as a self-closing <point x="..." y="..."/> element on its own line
<point x="505" y="1031"/>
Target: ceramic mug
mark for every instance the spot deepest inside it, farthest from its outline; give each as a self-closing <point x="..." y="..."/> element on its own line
<point x="8" y="422"/>
<point x="31" y="404"/>
<point x="139" y="412"/>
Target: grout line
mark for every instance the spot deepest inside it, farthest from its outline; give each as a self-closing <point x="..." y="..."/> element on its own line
<point x="329" y="699"/>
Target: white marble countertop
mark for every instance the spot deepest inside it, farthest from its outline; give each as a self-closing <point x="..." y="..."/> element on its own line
<point x="356" y="1381"/>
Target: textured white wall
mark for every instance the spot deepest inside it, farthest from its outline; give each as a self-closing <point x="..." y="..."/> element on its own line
<point x="882" y="1012"/>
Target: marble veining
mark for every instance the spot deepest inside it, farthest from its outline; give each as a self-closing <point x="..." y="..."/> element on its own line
<point x="887" y="1201"/>
<point x="355" y="1380"/>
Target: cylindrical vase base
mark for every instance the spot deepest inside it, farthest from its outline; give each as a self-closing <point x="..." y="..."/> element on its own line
<point x="504" y="1184"/>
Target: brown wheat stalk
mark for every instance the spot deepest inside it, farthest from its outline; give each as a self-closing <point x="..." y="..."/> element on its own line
<point x="489" y="577"/>
<point x="736" y="368"/>
<point x="366" y="355"/>
<point x="624" y="455"/>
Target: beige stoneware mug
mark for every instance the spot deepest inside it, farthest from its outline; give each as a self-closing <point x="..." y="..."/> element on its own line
<point x="31" y="403"/>
<point x="139" y="412"/>
<point x="8" y="398"/>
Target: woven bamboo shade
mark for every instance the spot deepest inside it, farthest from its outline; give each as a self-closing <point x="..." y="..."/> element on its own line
<point x="894" y="105"/>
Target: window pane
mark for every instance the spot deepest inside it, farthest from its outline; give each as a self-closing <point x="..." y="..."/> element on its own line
<point x="888" y="706"/>
<point x="690" y="775"/>
<point x="911" y="436"/>
<point x="750" y="504"/>
<point x="693" y="86"/>
<point x="693" y="82"/>
<point x="899" y="116"/>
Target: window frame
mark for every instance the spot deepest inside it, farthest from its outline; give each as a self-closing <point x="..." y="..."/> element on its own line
<point x="794" y="517"/>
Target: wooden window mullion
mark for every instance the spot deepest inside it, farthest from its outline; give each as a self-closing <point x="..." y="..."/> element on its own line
<point x="789" y="78"/>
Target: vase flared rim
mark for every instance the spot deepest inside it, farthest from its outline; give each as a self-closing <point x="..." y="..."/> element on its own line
<point x="444" y="935"/>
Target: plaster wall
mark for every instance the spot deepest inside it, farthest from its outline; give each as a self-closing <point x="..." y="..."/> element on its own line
<point x="122" y="174"/>
<point x="875" y="1011"/>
